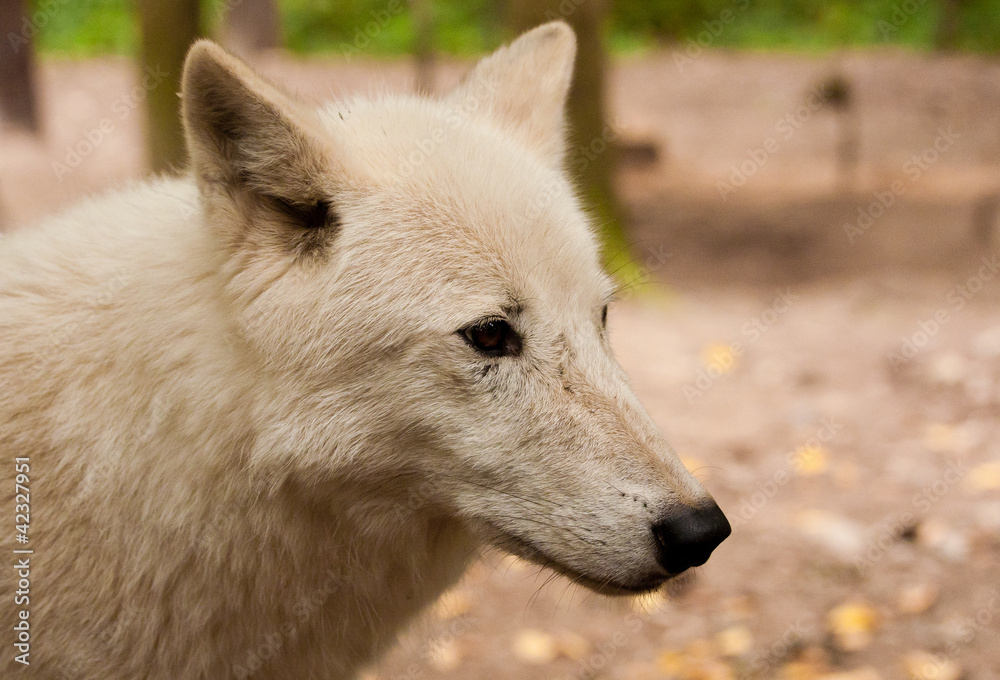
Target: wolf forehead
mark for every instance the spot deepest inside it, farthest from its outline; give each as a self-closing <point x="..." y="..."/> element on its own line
<point x="454" y="192"/>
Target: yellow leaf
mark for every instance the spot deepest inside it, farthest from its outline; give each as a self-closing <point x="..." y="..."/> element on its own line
<point x="944" y="438"/>
<point x="852" y="625"/>
<point x="863" y="673"/>
<point x="670" y="662"/>
<point x="921" y="665"/>
<point x="811" y="460"/>
<point x="734" y="641"/>
<point x="984" y="477"/>
<point x="534" y="646"/>
<point x="719" y="358"/>
<point x="799" y="670"/>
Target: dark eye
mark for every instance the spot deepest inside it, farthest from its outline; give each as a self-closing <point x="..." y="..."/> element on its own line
<point x="493" y="337"/>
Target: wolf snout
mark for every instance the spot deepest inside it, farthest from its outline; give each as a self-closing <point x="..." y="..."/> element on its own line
<point x="687" y="537"/>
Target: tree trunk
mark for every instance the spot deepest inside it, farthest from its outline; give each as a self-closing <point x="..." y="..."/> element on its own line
<point x="592" y="150"/>
<point x="18" y="104"/>
<point x="252" y="26"/>
<point x="168" y="29"/>
<point x="949" y="22"/>
<point x="423" y="45"/>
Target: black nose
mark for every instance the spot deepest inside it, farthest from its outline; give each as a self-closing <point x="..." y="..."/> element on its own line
<point x="687" y="537"/>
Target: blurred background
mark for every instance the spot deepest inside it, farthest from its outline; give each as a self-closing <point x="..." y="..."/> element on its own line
<point x="801" y="200"/>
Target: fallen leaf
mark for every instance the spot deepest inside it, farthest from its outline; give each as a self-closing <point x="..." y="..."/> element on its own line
<point x="800" y="670"/>
<point x="863" y="673"/>
<point x="916" y="598"/>
<point x="670" y="662"/>
<point x="948" y="369"/>
<point x="719" y="358"/>
<point x="944" y="438"/>
<point x="984" y="477"/>
<point x="852" y="625"/>
<point x="534" y="646"/>
<point x="949" y="543"/>
<point x="840" y="535"/>
<point x="734" y="641"/>
<point x="921" y="665"/>
<point x="811" y="460"/>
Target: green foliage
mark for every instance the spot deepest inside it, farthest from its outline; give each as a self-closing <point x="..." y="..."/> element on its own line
<point x="785" y="24"/>
<point x="85" y="27"/>
<point x="385" y="27"/>
<point x="980" y="26"/>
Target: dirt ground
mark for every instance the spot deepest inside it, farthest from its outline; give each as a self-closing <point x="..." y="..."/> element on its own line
<point x="821" y="345"/>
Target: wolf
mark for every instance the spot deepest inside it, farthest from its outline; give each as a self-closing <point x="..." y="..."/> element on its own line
<point x="266" y="411"/>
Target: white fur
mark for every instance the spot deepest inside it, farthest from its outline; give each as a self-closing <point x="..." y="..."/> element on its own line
<point x="244" y="444"/>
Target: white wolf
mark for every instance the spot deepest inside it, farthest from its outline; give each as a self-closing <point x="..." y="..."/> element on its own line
<point x="280" y="402"/>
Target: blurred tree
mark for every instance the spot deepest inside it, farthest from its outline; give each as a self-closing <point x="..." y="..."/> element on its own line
<point x="17" y="66"/>
<point x="423" y="44"/>
<point x="949" y="23"/>
<point x="837" y="95"/>
<point x="252" y="26"/>
<point x="168" y="29"/>
<point x="592" y="149"/>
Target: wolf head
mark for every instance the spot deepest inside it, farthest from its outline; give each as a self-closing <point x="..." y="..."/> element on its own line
<point x="420" y="280"/>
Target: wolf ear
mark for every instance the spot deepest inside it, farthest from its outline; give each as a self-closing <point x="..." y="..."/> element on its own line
<point x="523" y="88"/>
<point x="252" y="145"/>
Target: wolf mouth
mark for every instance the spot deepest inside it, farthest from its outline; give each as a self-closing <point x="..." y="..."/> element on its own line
<point x="524" y="549"/>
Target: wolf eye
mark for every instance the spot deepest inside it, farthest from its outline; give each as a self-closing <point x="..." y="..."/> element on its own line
<point x="493" y="337"/>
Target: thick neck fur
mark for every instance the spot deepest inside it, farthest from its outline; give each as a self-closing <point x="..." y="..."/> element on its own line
<point x="264" y="570"/>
